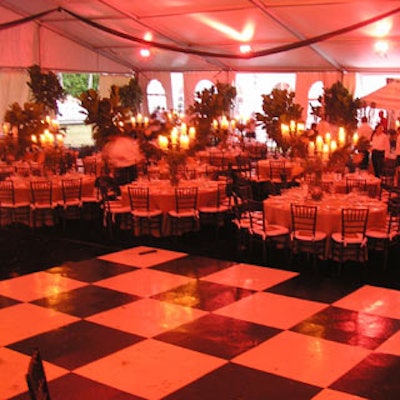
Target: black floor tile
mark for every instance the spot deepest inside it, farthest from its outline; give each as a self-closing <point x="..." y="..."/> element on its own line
<point x="350" y="327"/>
<point x="219" y="336"/>
<point x="92" y="270"/>
<point x="72" y="386"/>
<point x="86" y="301"/>
<point x="377" y="377"/>
<point x="236" y="382"/>
<point x="207" y="296"/>
<point x="194" y="266"/>
<point x="76" y="344"/>
<point x="314" y="287"/>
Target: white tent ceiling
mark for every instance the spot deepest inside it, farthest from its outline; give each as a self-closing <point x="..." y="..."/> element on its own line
<point x="200" y="35"/>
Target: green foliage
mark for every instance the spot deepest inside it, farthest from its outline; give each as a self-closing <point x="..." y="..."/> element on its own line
<point x="278" y="107"/>
<point x="109" y="116"/>
<point x="45" y="88"/>
<point x="101" y="115"/>
<point x="131" y="95"/>
<point x="29" y="120"/>
<point x="338" y="107"/>
<point x="74" y="84"/>
<point x="209" y="105"/>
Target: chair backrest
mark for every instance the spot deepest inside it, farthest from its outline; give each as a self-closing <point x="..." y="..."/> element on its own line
<point x="139" y="197"/>
<point x="7" y="195"/>
<point x="276" y="168"/>
<point x="255" y="211"/>
<point x="41" y="192"/>
<point x="357" y="184"/>
<point x="221" y="193"/>
<point x="71" y="189"/>
<point x="90" y="166"/>
<point x="36" y="378"/>
<point x="23" y="170"/>
<point x="304" y="218"/>
<point x="186" y="198"/>
<point x="354" y="220"/>
<point x="245" y="192"/>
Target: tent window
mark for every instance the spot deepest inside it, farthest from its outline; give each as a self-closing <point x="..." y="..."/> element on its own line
<point x="203" y="84"/>
<point x="316" y="90"/>
<point x="156" y="97"/>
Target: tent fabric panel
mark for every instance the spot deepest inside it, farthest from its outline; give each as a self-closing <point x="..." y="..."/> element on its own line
<point x="387" y="97"/>
<point x="14" y="89"/>
<point x="19" y="46"/>
<point x="62" y="54"/>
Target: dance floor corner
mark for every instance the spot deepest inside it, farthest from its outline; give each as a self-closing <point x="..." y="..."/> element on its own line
<point x="145" y="322"/>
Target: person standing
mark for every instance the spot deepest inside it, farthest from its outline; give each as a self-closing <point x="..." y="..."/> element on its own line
<point x="397" y="148"/>
<point x="365" y="131"/>
<point x="383" y="121"/>
<point x="380" y="149"/>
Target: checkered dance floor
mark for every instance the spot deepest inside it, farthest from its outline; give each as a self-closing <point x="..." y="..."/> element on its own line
<point x="147" y="323"/>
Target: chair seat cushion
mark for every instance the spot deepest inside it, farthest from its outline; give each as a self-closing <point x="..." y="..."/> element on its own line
<point x="270" y="231"/>
<point x="43" y="206"/>
<point x="146" y="213"/>
<point x="71" y="203"/>
<point x="18" y="204"/>
<point x="213" y="210"/>
<point x="354" y="238"/>
<point x="90" y="199"/>
<point x="308" y="236"/>
<point x="183" y="213"/>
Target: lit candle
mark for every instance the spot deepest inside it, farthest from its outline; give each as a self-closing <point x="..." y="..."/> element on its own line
<point x="184" y="142"/>
<point x="192" y="132"/>
<point x="163" y="142"/>
<point x="233" y="124"/>
<point x="333" y="145"/>
<point x="325" y="152"/>
<point x="341" y="136"/>
<point x="183" y="128"/>
<point x="133" y="121"/>
<point x="285" y="129"/>
<point x="55" y="124"/>
<point x="174" y="136"/>
<point x="215" y="124"/>
<point x="60" y="138"/>
<point x="224" y="122"/>
<point x="14" y="130"/>
<point x="139" y="118"/>
<point x="6" y="128"/>
<point x="292" y="126"/>
<point x="34" y="138"/>
<point x="355" y="138"/>
<point x="301" y="127"/>
<point x="146" y="121"/>
<point x="328" y="138"/>
<point x="311" y="149"/>
<point x="319" y="142"/>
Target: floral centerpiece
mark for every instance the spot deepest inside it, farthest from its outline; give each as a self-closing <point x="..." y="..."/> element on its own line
<point x="25" y="125"/>
<point x="208" y="111"/>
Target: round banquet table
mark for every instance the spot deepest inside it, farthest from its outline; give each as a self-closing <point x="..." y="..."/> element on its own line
<point x="292" y="169"/>
<point x="22" y="188"/>
<point x="373" y="183"/>
<point x="218" y="157"/>
<point x="162" y="195"/>
<point x="277" y="209"/>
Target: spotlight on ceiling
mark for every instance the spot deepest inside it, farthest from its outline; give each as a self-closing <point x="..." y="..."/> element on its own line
<point x="145" y="53"/>
<point x="148" y="36"/>
<point x="381" y="47"/>
<point x="245" y="48"/>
